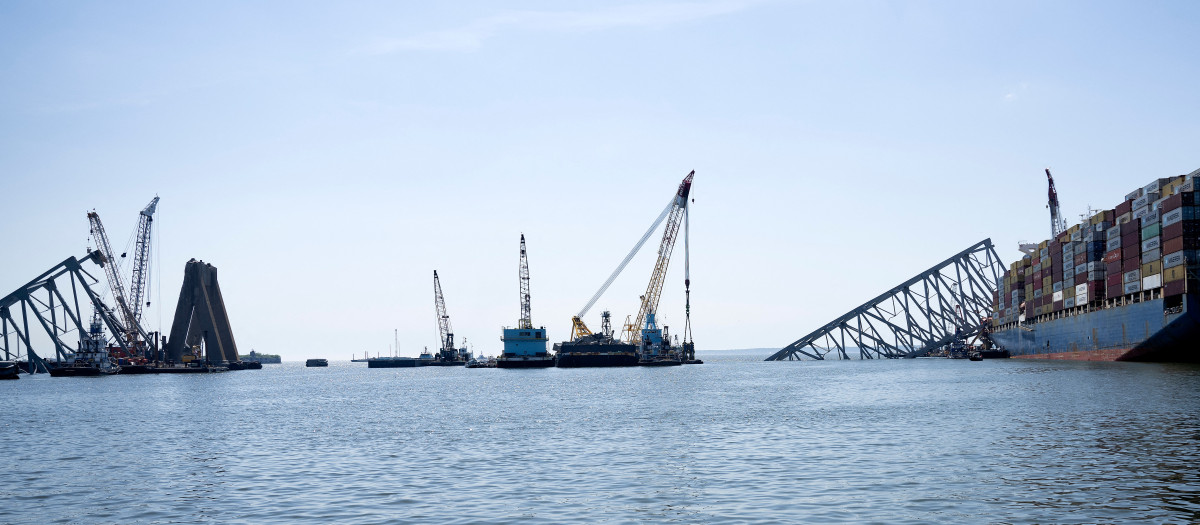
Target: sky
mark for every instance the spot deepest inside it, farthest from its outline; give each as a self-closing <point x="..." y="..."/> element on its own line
<point x="327" y="157"/>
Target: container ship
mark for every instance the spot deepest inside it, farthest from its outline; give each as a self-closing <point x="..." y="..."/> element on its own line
<point x="1123" y="285"/>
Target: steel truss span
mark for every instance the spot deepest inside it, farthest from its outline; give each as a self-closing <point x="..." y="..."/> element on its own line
<point x="928" y="311"/>
<point x="55" y="302"/>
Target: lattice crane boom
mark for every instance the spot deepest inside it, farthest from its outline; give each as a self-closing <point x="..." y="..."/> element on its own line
<point x="443" y="318"/>
<point x="633" y="332"/>
<point x="141" y="259"/>
<point x="526" y="321"/>
<point x="110" y="269"/>
<point x="1057" y="223"/>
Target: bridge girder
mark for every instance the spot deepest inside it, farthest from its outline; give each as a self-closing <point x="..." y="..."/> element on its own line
<point x="926" y="312"/>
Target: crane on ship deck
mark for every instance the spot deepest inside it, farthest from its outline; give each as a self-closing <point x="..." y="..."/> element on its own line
<point x="1058" y="224"/>
<point x="129" y="327"/>
<point x="447" y="353"/>
<point x="674" y="211"/>
<point x="678" y="208"/>
<point x="141" y="259"/>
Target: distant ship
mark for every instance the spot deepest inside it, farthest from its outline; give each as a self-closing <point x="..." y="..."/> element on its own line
<point x="524" y="346"/>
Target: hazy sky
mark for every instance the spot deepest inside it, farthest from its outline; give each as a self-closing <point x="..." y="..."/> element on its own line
<point x="328" y="156"/>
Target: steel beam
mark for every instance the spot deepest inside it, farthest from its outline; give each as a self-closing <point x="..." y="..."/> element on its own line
<point x="931" y="310"/>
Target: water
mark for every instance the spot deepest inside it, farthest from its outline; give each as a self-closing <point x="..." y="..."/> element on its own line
<point x="732" y="441"/>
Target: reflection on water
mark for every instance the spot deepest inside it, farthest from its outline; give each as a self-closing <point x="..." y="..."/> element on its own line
<point x="735" y="440"/>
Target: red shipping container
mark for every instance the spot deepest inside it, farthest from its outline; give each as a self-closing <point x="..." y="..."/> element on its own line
<point x="1080" y="278"/>
<point x="1113" y="280"/>
<point x="1113" y="256"/>
<point x="1113" y="267"/>
<point x="1095" y="289"/>
<point x="1080" y="258"/>
<point x="1131" y="242"/>
<point x="1122" y="209"/>
<point x="1131" y="264"/>
<point x="1173" y="202"/>
<point x="1181" y="243"/>
<point x="1058" y="306"/>
<point x="1174" y="288"/>
<point x="1129" y="227"/>
<point x="1174" y="231"/>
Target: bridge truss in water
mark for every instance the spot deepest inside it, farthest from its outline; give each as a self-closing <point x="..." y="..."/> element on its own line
<point x="41" y="303"/>
<point x="929" y="311"/>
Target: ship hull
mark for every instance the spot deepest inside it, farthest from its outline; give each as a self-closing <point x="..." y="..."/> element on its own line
<point x="391" y="362"/>
<point x="589" y="360"/>
<point x="529" y="362"/>
<point x="78" y="371"/>
<point x="1141" y="331"/>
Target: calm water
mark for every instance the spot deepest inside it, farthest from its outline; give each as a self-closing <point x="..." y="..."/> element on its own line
<point x="733" y="441"/>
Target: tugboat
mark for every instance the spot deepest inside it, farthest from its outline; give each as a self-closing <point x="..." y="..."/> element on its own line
<point x="656" y="349"/>
<point x="92" y="358"/>
<point x="316" y="362"/>
<point x="524" y="346"/>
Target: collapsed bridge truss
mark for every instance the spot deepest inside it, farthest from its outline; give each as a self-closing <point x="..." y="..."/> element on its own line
<point x="931" y="310"/>
<point x="42" y="303"/>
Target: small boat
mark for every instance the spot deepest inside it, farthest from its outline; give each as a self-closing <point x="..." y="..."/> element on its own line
<point x="9" y="371"/>
<point x="316" y="362"/>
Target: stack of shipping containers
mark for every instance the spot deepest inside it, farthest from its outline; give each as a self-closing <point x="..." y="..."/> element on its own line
<point x="1148" y="242"/>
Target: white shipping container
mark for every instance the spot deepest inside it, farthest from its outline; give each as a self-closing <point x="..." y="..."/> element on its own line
<point x="1172" y="217"/>
<point x="1140" y="203"/>
<point x="1152" y="255"/>
<point x="1115" y="231"/>
<point x="1133" y="287"/>
<point x="1151" y="188"/>
<point x="1139" y="213"/>
<point x="1069" y="302"/>
<point x="1151" y="243"/>
<point x="1172" y="260"/>
<point x="1081" y="298"/>
<point x="1081" y="289"/>
<point x="1152" y="282"/>
<point x="1134" y="276"/>
<point x="1134" y="195"/>
<point x="1058" y="296"/>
